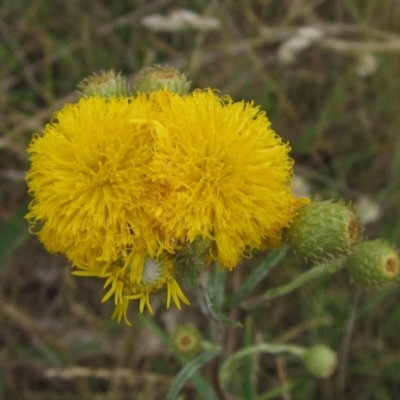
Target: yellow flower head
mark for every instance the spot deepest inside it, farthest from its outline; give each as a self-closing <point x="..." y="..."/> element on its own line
<point x="89" y="179"/>
<point x="120" y="184"/>
<point x="124" y="284"/>
<point x="93" y="198"/>
<point x="228" y="175"/>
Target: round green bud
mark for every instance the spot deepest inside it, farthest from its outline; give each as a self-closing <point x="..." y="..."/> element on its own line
<point x="196" y="253"/>
<point x="186" y="341"/>
<point x="155" y="78"/>
<point x="320" y="360"/>
<point x="323" y="231"/>
<point x="107" y="84"/>
<point x="374" y="264"/>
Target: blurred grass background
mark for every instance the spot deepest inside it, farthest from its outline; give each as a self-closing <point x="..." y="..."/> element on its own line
<point x="328" y="74"/>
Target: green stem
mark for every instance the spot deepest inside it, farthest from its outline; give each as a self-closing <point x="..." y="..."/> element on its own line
<point x="316" y="272"/>
<point x="210" y="302"/>
<point x="259" y="348"/>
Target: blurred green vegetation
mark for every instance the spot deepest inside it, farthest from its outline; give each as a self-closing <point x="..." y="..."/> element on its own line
<point x="337" y="101"/>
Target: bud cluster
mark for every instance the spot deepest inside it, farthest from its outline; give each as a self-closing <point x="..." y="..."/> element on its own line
<point x="324" y="231"/>
<point x="108" y="83"/>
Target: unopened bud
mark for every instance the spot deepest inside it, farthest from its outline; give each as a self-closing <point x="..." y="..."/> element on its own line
<point x="320" y="360"/>
<point x="186" y="341"/>
<point x="107" y="84"/>
<point x="374" y="264"/>
<point x="155" y="78"/>
<point x="323" y="231"/>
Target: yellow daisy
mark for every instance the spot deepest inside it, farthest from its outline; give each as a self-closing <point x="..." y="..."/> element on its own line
<point x="226" y="172"/>
<point x="89" y="180"/>
<point x="123" y="283"/>
<point x="93" y="198"/>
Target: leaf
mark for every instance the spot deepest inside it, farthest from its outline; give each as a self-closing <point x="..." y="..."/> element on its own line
<point x="255" y="277"/>
<point x="222" y="317"/>
<point x="188" y="371"/>
<point x="217" y="286"/>
<point x="211" y="289"/>
<point x="248" y="365"/>
<point x="203" y="387"/>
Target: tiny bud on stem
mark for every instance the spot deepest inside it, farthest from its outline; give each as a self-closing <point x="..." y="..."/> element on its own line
<point x="186" y="341"/>
<point x="155" y="78"/>
<point x="319" y="360"/>
<point x="107" y="84"/>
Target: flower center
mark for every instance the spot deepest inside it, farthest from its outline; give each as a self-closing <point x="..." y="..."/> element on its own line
<point x="153" y="271"/>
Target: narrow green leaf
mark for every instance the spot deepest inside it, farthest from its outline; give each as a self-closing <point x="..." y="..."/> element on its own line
<point x="222" y="317"/>
<point x="217" y="287"/>
<point x="248" y="369"/>
<point x="255" y="277"/>
<point x="214" y="301"/>
<point x="204" y="388"/>
<point x="188" y="371"/>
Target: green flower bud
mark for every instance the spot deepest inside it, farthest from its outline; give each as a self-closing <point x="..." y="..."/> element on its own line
<point x="196" y="253"/>
<point x="107" y="84"/>
<point x="323" y="231"/>
<point x="186" y="341"/>
<point x="191" y="257"/>
<point x="155" y="78"/>
<point x="319" y="360"/>
<point x="374" y="264"/>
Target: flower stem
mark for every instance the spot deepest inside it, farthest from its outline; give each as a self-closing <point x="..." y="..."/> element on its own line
<point x="316" y="272"/>
<point x="271" y="348"/>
